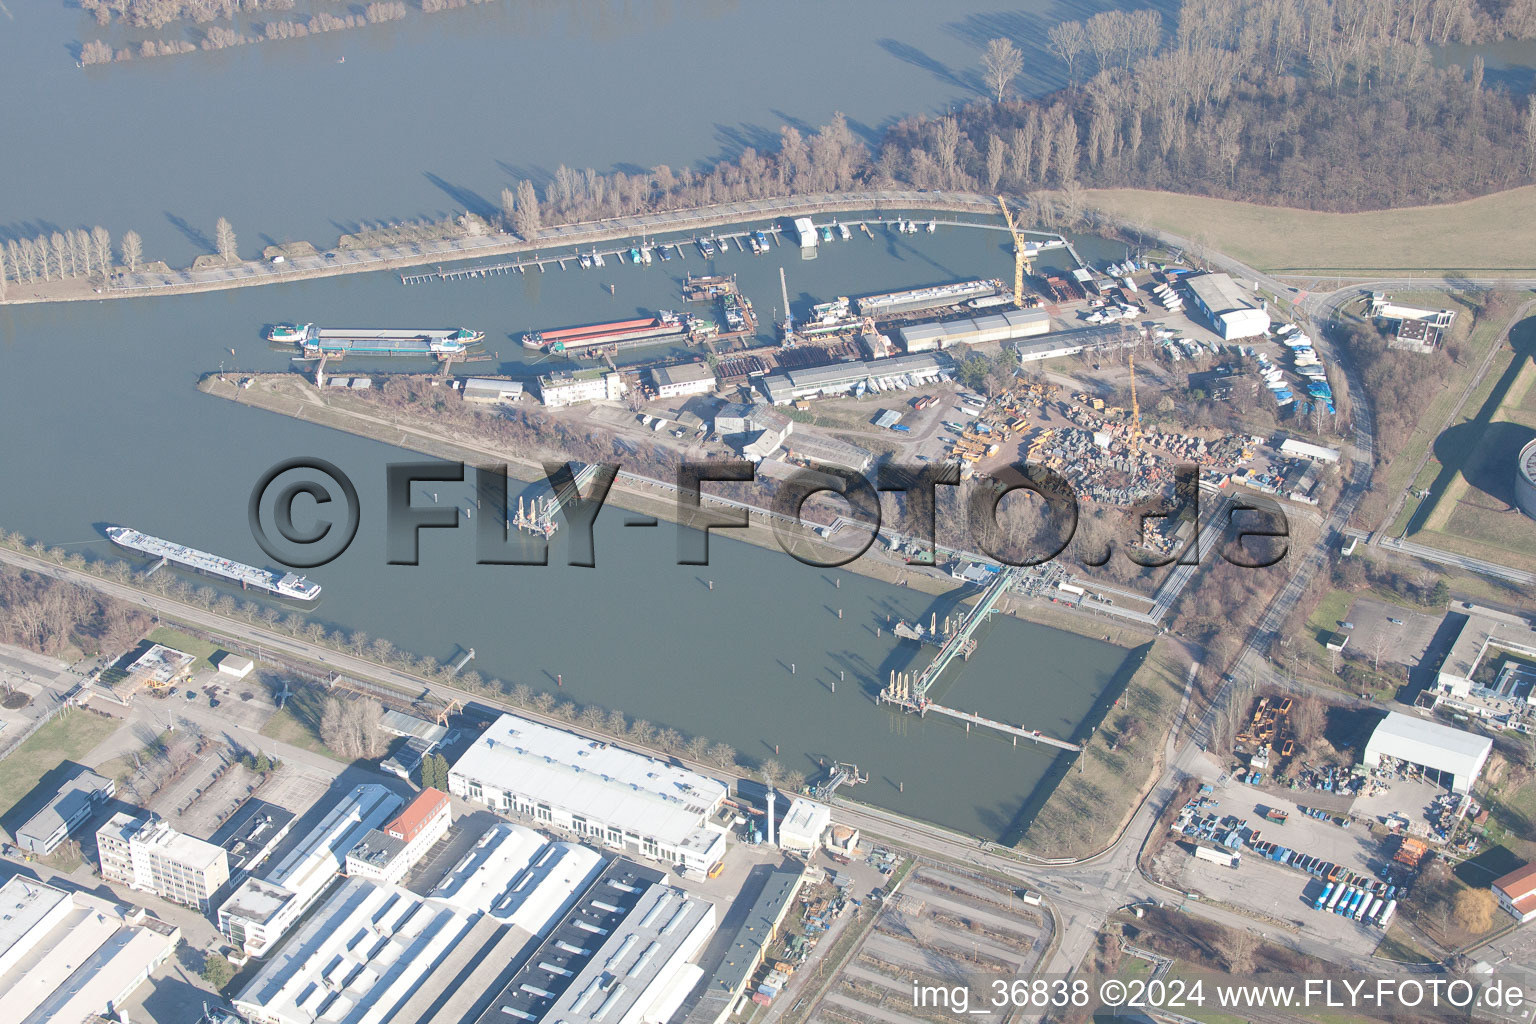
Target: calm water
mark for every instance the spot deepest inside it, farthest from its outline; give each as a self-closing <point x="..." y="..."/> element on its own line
<point x="103" y="425"/>
<point x="433" y="115"/>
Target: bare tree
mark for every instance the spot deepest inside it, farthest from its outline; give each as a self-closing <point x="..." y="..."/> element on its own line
<point x="224" y="240"/>
<point x="1001" y="63"/>
<point x="5" y="272"/>
<point x="101" y="249"/>
<point x="722" y="755"/>
<point x="525" y="211"/>
<point x="132" y="251"/>
<point x="1067" y="41"/>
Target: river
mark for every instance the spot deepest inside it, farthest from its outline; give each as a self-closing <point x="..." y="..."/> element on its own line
<point x="437" y="114"/>
<point x="104" y="425"/>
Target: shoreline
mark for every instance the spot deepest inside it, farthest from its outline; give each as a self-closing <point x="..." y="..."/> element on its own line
<point x="269" y="393"/>
<point x="337" y="262"/>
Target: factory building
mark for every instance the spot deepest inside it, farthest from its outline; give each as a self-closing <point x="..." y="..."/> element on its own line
<point x="1455" y="756"/>
<point x="1008" y="325"/>
<point x="1525" y="480"/>
<point x="76" y="802"/>
<point x="685" y="379"/>
<point x="604" y="793"/>
<point x="386" y="854"/>
<point x="361" y="956"/>
<point x="1071" y="343"/>
<point x="787" y="386"/>
<point x="147" y="854"/>
<point x="593" y="385"/>
<point x="1231" y="310"/>
<point x="1295" y="449"/>
<point x="491" y="390"/>
<point x="749" y="945"/>
<point x="66" y="958"/>
<point x="1482" y="630"/>
<point x="262" y="910"/>
<point x="251" y="834"/>
<point x="621" y="956"/>
<point x="520" y="878"/>
<point x="804" y="826"/>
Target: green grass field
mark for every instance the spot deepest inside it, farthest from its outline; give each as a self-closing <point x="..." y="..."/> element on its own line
<point x="67" y="738"/>
<point x="1488" y="233"/>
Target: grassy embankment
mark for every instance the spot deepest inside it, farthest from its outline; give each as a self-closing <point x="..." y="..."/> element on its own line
<point x="1121" y="762"/>
<point x="1488" y="235"/>
<point x="1469" y="510"/>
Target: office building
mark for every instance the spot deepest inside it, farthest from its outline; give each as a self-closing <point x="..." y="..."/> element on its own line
<point x="149" y="855"/>
<point x="76" y="803"/>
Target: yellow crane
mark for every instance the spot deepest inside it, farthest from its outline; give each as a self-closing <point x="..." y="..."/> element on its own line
<point x="1135" y="408"/>
<point x="1020" y="259"/>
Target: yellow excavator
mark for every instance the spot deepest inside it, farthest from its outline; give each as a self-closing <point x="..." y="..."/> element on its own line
<point x="1020" y="258"/>
<point x="1135" y="408"/>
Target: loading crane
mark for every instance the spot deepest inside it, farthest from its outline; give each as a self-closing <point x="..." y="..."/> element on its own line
<point x="1135" y="408"/>
<point x="1020" y="258"/>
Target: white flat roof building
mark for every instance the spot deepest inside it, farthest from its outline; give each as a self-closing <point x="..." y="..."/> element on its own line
<point x="1305" y="450"/>
<point x="236" y="665"/>
<point x="1485" y="629"/>
<point x="520" y="878"/>
<point x="608" y="794"/>
<point x="262" y="910"/>
<point x="804" y="825"/>
<point x="361" y="955"/>
<point x="67" y="957"/>
<point x="683" y="379"/>
<point x="1453" y="752"/>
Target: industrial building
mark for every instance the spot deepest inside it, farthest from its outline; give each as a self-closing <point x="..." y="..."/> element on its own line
<point x="604" y="793"/>
<point x="490" y="390"/>
<point x="262" y="910"/>
<point x="1072" y="343"/>
<point x="1295" y="449"/>
<point x="236" y="666"/>
<point x="786" y="386"/>
<point x="386" y="854"/>
<point x="1231" y="310"/>
<point x="149" y="855"/>
<point x="398" y="723"/>
<point x="1452" y="755"/>
<point x="1483" y="630"/>
<point x="76" y="802"/>
<point x="804" y="826"/>
<point x="158" y="667"/>
<point x="620" y="956"/>
<point x="749" y="945"/>
<point x="520" y="878"/>
<point x="1415" y="328"/>
<point x="829" y="451"/>
<point x="1525" y="479"/>
<point x="933" y="297"/>
<point x="251" y="834"/>
<point x="1008" y="325"/>
<point x="686" y="379"/>
<point x="359" y="957"/>
<point x="67" y="957"/>
<point x="592" y="385"/>
<point x="1516" y="893"/>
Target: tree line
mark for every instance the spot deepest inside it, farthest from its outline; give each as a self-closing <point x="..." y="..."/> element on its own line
<point x="1321" y="104"/>
<point x="159" y="13"/>
<point x="48" y="616"/>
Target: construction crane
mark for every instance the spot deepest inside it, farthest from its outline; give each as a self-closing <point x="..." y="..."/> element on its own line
<point x="1135" y="408"/>
<point x="1020" y="259"/>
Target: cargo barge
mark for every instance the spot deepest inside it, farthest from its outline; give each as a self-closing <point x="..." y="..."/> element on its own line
<point x="664" y="327"/>
<point x="934" y="297"/>
<point x="287" y="584"/>
<point x="316" y="341"/>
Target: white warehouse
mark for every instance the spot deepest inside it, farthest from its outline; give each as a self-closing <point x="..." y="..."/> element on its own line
<point x="1451" y="753"/>
<point x="1231" y="310"/>
<point x="604" y="793"/>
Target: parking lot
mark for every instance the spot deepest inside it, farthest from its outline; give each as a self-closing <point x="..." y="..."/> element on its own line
<point x="1404" y="642"/>
<point x="1281" y="892"/>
